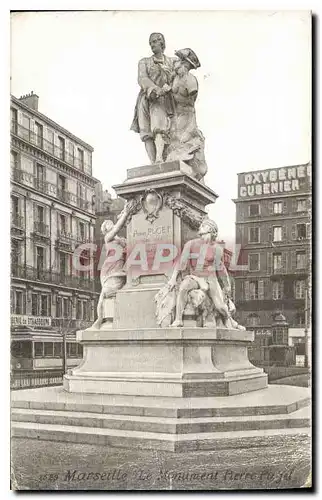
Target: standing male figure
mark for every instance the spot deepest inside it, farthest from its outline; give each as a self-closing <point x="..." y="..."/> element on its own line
<point x="154" y="106"/>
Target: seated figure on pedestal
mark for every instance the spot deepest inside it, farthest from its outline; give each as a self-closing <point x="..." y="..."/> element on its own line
<point x="205" y="283"/>
<point x="113" y="275"/>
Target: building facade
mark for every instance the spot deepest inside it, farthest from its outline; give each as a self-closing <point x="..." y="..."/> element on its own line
<point x="273" y="232"/>
<point x="52" y="213"/>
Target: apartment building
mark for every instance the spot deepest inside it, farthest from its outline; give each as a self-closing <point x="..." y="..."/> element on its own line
<point x="52" y="213"/>
<point x="273" y="230"/>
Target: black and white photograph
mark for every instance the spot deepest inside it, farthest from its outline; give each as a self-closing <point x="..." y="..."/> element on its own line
<point x="160" y="250"/>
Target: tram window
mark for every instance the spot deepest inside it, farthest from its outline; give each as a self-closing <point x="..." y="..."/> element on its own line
<point x="21" y="349"/>
<point x="39" y="349"/>
<point x="80" y="350"/>
<point x="58" y="349"/>
<point x="71" y="350"/>
<point x="48" y="349"/>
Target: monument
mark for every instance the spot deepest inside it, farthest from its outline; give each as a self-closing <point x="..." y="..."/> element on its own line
<point x="165" y="364"/>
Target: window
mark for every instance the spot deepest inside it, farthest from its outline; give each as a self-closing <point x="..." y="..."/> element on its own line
<point x="253" y="262"/>
<point x="82" y="310"/>
<point x="15" y="254"/>
<point x="254" y="235"/>
<point x="40" y="214"/>
<point x="63" y="307"/>
<point x="277" y="233"/>
<point x="21" y="349"/>
<point x="61" y="150"/>
<point x="301" y="206"/>
<point x="40" y="258"/>
<point x="253" y="290"/>
<point x="58" y="349"/>
<point x="277" y="288"/>
<point x="61" y="182"/>
<point x="301" y="231"/>
<point x="13" y="159"/>
<point x="253" y="320"/>
<point x="63" y="264"/>
<point x="80" y="158"/>
<point x="62" y="223"/>
<point x="253" y="209"/>
<point x="19" y="302"/>
<point x="39" y="134"/>
<point x="81" y="231"/>
<point x="18" y="305"/>
<point x="277" y="207"/>
<point x="48" y="349"/>
<point x="44" y="302"/>
<point x="300" y="319"/>
<point x="39" y="349"/>
<point x="34" y="304"/>
<point x="300" y="287"/>
<point x="300" y="260"/>
<point x="25" y="127"/>
<point x="71" y="350"/>
<point x="50" y="140"/>
<point x="14" y="120"/>
<point x="15" y="209"/>
<point x="277" y="262"/>
<point x="71" y="153"/>
<point x="40" y="174"/>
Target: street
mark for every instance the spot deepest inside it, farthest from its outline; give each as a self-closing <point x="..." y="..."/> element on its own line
<point x="45" y="465"/>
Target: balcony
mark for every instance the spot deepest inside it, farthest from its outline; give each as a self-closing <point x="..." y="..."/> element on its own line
<point x="41" y="229"/>
<point x="73" y="324"/>
<point x="49" y="147"/>
<point x="52" y="277"/>
<point x="17" y="221"/>
<point x="49" y="188"/>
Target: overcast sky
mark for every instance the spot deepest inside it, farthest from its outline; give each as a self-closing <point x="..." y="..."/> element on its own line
<point x="254" y="103"/>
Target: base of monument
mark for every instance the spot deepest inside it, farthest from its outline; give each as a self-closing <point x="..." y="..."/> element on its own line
<point x="268" y="417"/>
<point x="166" y="362"/>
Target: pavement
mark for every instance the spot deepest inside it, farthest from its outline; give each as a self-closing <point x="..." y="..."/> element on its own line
<point x="46" y="465"/>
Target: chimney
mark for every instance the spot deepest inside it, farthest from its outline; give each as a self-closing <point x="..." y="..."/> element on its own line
<point x="31" y="100"/>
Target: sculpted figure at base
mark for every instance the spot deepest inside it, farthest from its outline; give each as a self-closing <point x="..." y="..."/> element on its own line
<point x="187" y="142"/>
<point x="205" y="283"/>
<point x="112" y="276"/>
<point x="154" y="106"/>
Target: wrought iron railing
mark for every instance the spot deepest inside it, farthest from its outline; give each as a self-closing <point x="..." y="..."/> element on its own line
<point x="26" y="178"/>
<point x="55" y="150"/>
<point x="18" y="221"/>
<point x="45" y="276"/>
<point x="41" y="228"/>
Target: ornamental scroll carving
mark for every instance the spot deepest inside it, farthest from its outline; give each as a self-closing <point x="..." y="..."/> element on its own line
<point x="181" y="210"/>
<point x="151" y="203"/>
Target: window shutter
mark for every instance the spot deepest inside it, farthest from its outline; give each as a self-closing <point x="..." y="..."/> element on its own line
<point x="284" y="233"/>
<point x="260" y="290"/>
<point x="284" y="207"/>
<point x="270" y="233"/>
<point x="308" y="230"/>
<point x="293" y="261"/>
<point x="293" y="233"/>
<point x="294" y="205"/>
<point x="270" y="207"/>
<point x="284" y="262"/>
<point x="282" y="288"/>
<point x="23" y="302"/>
<point x="246" y="290"/>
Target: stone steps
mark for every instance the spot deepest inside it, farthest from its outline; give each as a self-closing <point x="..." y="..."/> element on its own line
<point x="296" y="419"/>
<point x="160" y="441"/>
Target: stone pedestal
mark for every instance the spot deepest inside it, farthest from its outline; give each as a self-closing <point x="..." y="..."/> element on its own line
<point x="170" y="362"/>
<point x="181" y="206"/>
